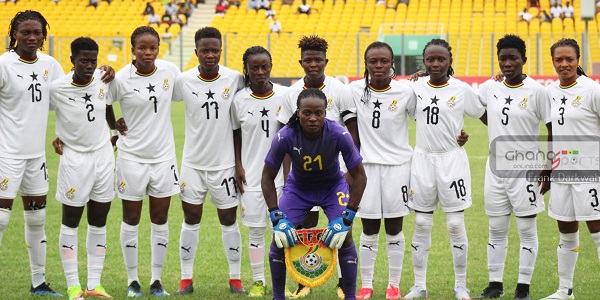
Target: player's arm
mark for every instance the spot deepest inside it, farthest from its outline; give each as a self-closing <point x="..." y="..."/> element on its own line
<point x="240" y="173"/>
<point x="109" y="73"/>
<point x="287" y="161"/>
<point x="358" y="186"/>
<point x="267" y="184"/>
<point x="352" y="127"/>
<point x="110" y="119"/>
<point x="483" y="118"/>
<point x="544" y="179"/>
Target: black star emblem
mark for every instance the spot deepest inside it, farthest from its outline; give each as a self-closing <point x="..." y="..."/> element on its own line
<point x="377" y="104"/>
<point x="210" y="95"/>
<point x="563" y="100"/>
<point x="508" y="100"/>
<point x="87" y="98"/>
<point x="264" y="112"/>
<point x="33" y="76"/>
<point x="150" y="87"/>
<point x="434" y="100"/>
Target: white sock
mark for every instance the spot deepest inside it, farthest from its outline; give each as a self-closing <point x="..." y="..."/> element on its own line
<point x="395" y="250"/>
<point x="188" y="243"/>
<point x="232" y="242"/>
<point x="67" y="244"/>
<point x="596" y="239"/>
<point x="369" y="246"/>
<point x="497" y="246"/>
<point x="455" y="221"/>
<point x="96" y="252"/>
<point x="528" y="249"/>
<point x="4" y="217"/>
<point x="129" y="245"/>
<point x="256" y="251"/>
<point x="159" y="238"/>
<point x="568" y="251"/>
<point x="35" y="237"/>
<point x="420" y="245"/>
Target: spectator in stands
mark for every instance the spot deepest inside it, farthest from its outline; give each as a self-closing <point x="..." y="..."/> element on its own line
<point x="525" y="16"/>
<point x="170" y="8"/>
<point x="166" y="19"/>
<point x="93" y="3"/>
<point x="535" y="4"/>
<point x="263" y="4"/>
<point x="270" y="14"/>
<point x="221" y="7"/>
<point x="544" y="16"/>
<point x="275" y="26"/>
<point x="235" y="2"/>
<point x="153" y="18"/>
<point x="597" y="6"/>
<point x="184" y="9"/>
<point x="287" y="2"/>
<point x="149" y="9"/>
<point x="175" y="19"/>
<point x="556" y="11"/>
<point x="304" y="8"/>
<point x="253" y="4"/>
<point x="557" y="2"/>
<point x="568" y="11"/>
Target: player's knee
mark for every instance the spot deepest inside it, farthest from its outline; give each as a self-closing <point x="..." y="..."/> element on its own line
<point x="227" y="217"/>
<point x="311" y="220"/>
<point x="256" y="234"/>
<point x="527" y="229"/>
<point x="499" y="226"/>
<point x="70" y="221"/>
<point x="455" y="223"/>
<point x="423" y="223"/>
<point x="371" y="226"/>
<point x="35" y="218"/>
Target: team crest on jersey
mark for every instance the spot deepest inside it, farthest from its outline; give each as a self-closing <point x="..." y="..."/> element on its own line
<point x="225" y="94"/>
<point x="4" y="184"/>
<point x="329" y="104"/>
<point x="166" y="84"/>
<point x="122" y="186"/>
<point x="182" y="187"/>
<point x="278" y="110"/>
<point x="45" y="75"/>
<point x="70" y="194"/>
<point x="576" y="102"/>
<point x="410" y="196"/>
<point x="393" y="107"/>
<point x="101" y="94"/>
<point x="523" y="103"/>
<point x="451" y="102"/>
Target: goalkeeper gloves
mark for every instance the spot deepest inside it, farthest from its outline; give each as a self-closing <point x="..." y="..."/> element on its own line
<point x="336" y="231"/>
<point x="284" y="233"/>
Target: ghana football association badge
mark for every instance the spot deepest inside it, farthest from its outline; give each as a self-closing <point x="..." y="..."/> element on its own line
<point x="393" y="107"/>
<point x="45" y="75"/>
<point x="70" y="194"/>
<point x="165" y="84"/>
<point x="225" y="94"/>
<point x="4" y="184"/>
<point x="451" y="102"/>
<point x="101" y="94"/>
<point x="310" y="262"/>
<point x="523" y="103"/>
<point x="182" y="187"/>
<point x="122" y="187"/>
<point x="576" y="102"/>
<point x="329" y="103"/>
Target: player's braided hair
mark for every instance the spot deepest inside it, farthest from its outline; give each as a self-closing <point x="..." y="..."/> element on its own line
<point x="254" y="50"/>
<point x="83" y="43"/>
<point x="566" y="42"/>
<point x="22" y="16"/>
<point x="313" y="42"/>
<point x="511" y="41"/>
<point x="443" y="43"/>
<point x="207" y="32"/>
<point x="144" y="30"/>
<point x="367" y="91"/>
<point x="294" y="121"/>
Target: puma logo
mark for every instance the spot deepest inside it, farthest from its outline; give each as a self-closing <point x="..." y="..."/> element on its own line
<point x="368" y="247"/>
<point x="395" y="243"/>
<point x="186" y="249"/>
<point x="131" y="246"/>
<point x="161" y="244"/>
<point x="420" y="98"/>
<point x="68" y="247"/>
<point x="297" y="149"/>
<point x="235" y="249"/>
<point x="496" y="97"/>
<point x="528" y="249"/>
<point x="71" y="99"/>
<point x="352" y="261"/>
<point x="251" y="113"/>
<point x="595" y="209"/>
<point x="493" y="247"/>
<point x="20" y="76"/>
<point x="416" y="247"/>
<point x="278" y="137"/>
<point x="195" y="94"/>
<point x="43" y="241"/>
<point x="101" y="246"/>
<point x="345" y="132"/>
<point x="136" y="90"/>
<point x="254" y="245"/>
<point x="458" y="247"/>
<point x="277" y="260"/>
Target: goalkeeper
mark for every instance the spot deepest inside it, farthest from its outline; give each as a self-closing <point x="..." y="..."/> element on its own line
<point x="313" y="144"/>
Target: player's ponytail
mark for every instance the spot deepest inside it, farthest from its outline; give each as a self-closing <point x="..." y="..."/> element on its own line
<point x="294" y="120"/>
<point x="580" y="71"/>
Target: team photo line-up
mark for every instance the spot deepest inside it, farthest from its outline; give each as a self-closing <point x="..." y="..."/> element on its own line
<point x="328" y="137"/>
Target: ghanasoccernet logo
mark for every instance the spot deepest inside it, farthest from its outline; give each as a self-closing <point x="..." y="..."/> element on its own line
<point x="571" y="158"/>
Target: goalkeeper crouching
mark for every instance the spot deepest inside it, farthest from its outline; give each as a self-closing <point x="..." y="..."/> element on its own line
<point x="313" y="144"/>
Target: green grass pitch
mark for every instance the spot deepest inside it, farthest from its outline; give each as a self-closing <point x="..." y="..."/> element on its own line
<point x="211" y="272"/>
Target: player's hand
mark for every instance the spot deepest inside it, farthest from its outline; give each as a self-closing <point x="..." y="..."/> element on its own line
<point x="284" y="233"/>
<point x="462" y="138"/>
<point x="498" y="77"/>
<point x="109" y="73"/>
<point x="415" y="76"/>
<point x="113" y="141"/>
<point x="240" y="179"/>
<point x="335" y="234"/>
<point x="57" y="144"/>
<point x="544" y="181"/>
<point x="121" y="126"/>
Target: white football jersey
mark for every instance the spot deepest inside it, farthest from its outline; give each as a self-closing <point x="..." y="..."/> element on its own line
<point x="440" y="112"/>
<point x="81" y="112"/>
<point x="256" y="116"/>
<point x="339" y="100"/>
<point x="575" y="112"/>
<point x="145" y="101"/>
<point x="383" y="122"/>
<point x="208" y="132"/>
<point x="515" y="110"/>
<point x="24" y="103"/>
